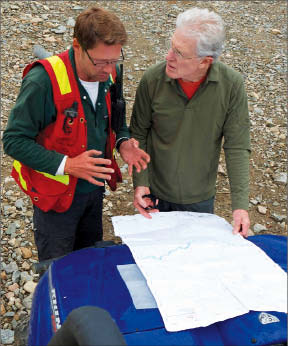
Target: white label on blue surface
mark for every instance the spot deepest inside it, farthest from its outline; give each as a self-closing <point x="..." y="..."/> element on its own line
<point x="265" y="318"/>
<point x="137" y="286"/>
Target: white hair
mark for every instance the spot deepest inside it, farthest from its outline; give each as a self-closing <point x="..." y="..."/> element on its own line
<point x="206" y="27"/>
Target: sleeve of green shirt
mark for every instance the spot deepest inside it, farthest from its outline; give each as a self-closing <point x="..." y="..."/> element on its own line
<point x="237" y="146"/>
<point x="33" y="111"/>
<point x="140" y="126"/>
<point x="123" y="132"/>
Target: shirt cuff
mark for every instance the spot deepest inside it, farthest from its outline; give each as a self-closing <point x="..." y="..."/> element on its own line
<point x="60" y="170"/>
<point x="119" y="141"/>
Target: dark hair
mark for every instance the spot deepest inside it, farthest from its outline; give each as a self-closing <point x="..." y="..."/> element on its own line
<point x="96" y="25"/>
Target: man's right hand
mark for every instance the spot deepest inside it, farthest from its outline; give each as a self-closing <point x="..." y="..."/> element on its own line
<point x="87" y="166"/>
<point x="141" y="202"/>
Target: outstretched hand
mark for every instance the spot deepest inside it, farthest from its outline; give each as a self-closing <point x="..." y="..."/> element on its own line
<point x="133" y="155"/>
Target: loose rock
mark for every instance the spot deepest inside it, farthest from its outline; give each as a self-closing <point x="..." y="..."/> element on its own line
<point x="261" y="209"/>
<point x="259" y="228"/>
<point x="7" y="336"/>
<point x="278" y="217"/>
<point x="30" y="286"/>
<point x="281" y="178"/>
<point x="27" y="302"/>
<point x="26" y="253"/>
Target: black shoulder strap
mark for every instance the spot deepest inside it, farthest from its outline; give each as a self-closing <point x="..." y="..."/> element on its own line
<point x="118" y="104"/>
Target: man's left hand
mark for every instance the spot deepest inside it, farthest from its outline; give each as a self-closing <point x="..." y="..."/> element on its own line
<point x="133" y="155"/>
<point x="241" y="222"/>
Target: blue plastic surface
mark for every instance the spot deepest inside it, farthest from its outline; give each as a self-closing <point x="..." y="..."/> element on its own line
<point x="90" y="277"/>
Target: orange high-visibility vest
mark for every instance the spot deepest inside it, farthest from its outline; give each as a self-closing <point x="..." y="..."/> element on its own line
<point x="67" y="135"/>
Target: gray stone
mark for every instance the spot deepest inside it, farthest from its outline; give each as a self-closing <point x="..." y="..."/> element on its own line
<point x="16" y="276"/>
<point x="26" y="277"/>
<point x="280" y="178"/>
<point x="259" y="228"/>
<point x="10" y="267"/>
<point x="70" y="22"/>
<point x="9" y="314"/>
<point x="60" y="30"/>
<point x="7" y="336"/>
<point x="11" y="228"/>
<point x="27" y="302"/>
<point x="277" y="217"/>
<point x="44" y="16"/>
<point x="258" y="111"/>
<point x="77" y="8"/>
<point x="19" y="204"/>
<point x="262" y="210"/>
<point x="14" y="324"/>
<point x="40" y="52"/>
<point x="259" y="198"/>
<point x="123" y="169"/>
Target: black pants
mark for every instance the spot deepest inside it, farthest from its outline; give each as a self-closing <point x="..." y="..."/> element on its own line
<point x="199" y="207"/>
<point x="57" y="234"/>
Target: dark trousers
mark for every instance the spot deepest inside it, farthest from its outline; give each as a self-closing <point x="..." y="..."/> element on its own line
<point x="199" y="207"/>
<point x="57" y="234"/>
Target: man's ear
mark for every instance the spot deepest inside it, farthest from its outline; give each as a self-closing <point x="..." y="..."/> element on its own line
<point x="207" y="61"/>
<point x="76" y="44"/>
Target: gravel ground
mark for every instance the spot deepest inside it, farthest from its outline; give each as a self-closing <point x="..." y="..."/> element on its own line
<point x="256" y="46"/>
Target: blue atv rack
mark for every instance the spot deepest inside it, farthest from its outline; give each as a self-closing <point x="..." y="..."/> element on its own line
<point x="89" y="277"/>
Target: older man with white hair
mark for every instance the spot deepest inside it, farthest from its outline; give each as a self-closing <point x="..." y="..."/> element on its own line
<point x="184" y="107"/>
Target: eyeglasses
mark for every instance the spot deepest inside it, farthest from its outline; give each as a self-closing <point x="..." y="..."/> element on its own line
<point x="177" y="53"/>
<point x="102" y="63"/>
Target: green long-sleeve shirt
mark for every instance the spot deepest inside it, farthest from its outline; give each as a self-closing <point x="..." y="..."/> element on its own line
<point x="184" y="137"/>
<point x="34" y="110"/>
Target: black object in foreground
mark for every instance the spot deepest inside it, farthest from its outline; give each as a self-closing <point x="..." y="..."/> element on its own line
<point x="88" y="325"/>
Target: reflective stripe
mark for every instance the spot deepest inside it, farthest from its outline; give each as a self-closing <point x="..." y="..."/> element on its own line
<point x="61" y="74"/>
<point x="111" y="78"/>
<point x="63" y="179"/>
<point x="17" y="166"/>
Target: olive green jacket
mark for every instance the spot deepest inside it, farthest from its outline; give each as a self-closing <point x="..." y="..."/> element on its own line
<point x="184" y="137"/>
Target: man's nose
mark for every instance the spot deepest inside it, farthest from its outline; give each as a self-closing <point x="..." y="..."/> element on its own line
<point x="170" y="55"/>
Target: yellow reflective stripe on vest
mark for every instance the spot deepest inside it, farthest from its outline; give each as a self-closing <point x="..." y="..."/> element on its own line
<point x="111" y="78"/>
<point x="63" y="179"/>
<point x="17" y="166"/>
<point x="61" y="74"/>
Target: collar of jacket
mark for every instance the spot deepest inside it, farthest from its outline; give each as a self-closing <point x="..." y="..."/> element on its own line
<point x="213" y="74"/>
